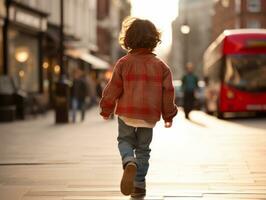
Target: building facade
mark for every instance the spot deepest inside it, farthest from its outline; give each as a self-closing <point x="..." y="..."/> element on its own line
<point x="79" y="18"/>
<point x="22" y="39"/>
<point x="31" y="31"/>
<point x="33" y="38"/>
<point x="110" y="16"/>
<point x="191" y="46"/>
<point x="239" y="14"/>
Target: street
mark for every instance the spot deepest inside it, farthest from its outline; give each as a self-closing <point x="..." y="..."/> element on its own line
<point x="205" y="158"/>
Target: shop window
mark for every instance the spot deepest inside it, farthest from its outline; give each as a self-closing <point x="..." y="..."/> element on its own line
<point x="2" y="9"/>
<point x="24" y="60"/>
<point x="254" y="5"/>
<point x="253" y="23"/>
<point x="225" y="3"/>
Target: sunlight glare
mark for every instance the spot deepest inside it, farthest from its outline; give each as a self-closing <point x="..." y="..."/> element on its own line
<point x="161" y="13"/>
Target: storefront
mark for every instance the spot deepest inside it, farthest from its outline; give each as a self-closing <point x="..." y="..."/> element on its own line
<point x="2" y="14"/>
<point x="1" y="47"/>
<point x="24" y="52"/>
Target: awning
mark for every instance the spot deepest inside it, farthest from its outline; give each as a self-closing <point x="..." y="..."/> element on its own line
<point x="95" y="62"/>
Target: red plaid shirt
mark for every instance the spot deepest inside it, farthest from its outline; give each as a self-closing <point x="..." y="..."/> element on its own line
<point x="140" y="88"/>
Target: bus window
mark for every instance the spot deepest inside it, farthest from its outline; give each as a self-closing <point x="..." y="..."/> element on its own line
<point x="246" y="72"/>
<point x="232" y="76"/>
<point x="214" y="72"/>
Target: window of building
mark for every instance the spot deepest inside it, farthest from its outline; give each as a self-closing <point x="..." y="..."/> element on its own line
<point x="2" y="9"/>
<point x="254" y="5"/>
<point x="23" y="60"/>
<point x="237" y="23"/>
<point x="253" y="23"/>
<point x="1" y="51"/>
<point x="225" y="3"/>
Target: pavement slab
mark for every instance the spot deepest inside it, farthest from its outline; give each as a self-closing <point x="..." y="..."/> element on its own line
<point x="202" y="159"/>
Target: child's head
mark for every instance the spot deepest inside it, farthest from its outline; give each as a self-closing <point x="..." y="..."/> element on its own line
<point x="138" y="33"/>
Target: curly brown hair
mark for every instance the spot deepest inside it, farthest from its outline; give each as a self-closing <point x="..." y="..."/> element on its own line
<point x="138" y="33"/>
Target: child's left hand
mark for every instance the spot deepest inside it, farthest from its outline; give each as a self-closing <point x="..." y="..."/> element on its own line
<point x="167" y="124"/>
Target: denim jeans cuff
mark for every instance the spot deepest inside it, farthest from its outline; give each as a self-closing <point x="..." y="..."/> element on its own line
<point x="140" y="184"/>
<point x="128" y="159"/>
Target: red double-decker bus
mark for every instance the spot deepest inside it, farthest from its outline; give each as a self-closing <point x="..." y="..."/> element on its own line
<point x="235" y="72"/>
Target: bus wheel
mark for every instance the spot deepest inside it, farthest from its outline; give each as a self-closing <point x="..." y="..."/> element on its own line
<point x="220" y="115"/>
<point x="261" y="114"/>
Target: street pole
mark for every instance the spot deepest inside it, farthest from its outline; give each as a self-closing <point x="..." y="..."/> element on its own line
<point x="186" y="58"/>
<point x="185" y="30"/>
<point x="62" y="87"/>
<point x="61" y="44"/>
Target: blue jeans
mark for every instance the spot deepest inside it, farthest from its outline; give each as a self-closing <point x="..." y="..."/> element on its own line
<point x="134" y="146"/>
<point x="78" y="105"/>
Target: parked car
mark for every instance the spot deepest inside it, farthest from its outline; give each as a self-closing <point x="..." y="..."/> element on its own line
<point x="200" y="94"/>
<point x="178" y="92"/>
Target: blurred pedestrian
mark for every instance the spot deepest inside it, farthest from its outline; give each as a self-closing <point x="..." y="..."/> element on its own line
<point x="92" y="97"/>
<point x="189" y="86"/>
<point x="140" y="91"/>
<point x="79" y="94"/>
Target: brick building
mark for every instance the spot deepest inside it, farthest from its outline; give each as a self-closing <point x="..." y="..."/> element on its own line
<point x="110" y="14"/>
<point x="232" y="14"/>
<point x="103" y="39"/>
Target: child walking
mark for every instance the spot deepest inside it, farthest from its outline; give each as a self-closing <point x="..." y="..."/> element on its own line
<point x="139" y="92"/>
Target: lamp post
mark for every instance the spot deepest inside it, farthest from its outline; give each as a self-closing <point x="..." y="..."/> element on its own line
<point x="185" y="30"/>
<point x="62" y="87"/>
<point x="61" y="43"/>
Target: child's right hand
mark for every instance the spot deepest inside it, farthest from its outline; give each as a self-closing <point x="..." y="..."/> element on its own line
<point x="105" y="118"/>
<point x="167" y="124"/>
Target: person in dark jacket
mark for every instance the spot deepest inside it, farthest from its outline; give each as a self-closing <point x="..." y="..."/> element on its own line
<point x="79" y="94"/>
<point x="189" y="86"/>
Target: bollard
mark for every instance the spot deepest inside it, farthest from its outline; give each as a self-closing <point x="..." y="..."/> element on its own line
<point x="62" y="98"/>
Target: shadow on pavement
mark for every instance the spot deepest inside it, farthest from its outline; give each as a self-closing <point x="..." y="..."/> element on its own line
<point x="197" y="123"/>
<point x="251" y="122"/>
<point x="131" y="198"/>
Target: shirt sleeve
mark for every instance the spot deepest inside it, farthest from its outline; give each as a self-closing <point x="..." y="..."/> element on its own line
<point x="169" y="109"/>
<point x="112" y="92"/>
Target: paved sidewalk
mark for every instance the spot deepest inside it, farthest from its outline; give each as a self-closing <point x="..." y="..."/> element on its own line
<point x="203" y="159"/>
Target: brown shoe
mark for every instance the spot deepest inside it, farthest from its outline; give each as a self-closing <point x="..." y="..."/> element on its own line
<point x="127" y="182"/>
<point x="138" y="193"/>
